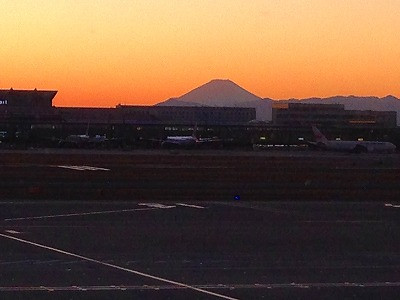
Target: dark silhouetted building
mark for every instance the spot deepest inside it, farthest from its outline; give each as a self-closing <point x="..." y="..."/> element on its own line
<point x="330" y="115"/>
<point x="188" y="115"/>
<point x="34" y="106"/>
<point x="26" y="101"/>
<point x="26" y="107"/>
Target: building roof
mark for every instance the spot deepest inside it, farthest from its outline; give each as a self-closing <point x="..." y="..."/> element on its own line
<point x="27" y="94"/>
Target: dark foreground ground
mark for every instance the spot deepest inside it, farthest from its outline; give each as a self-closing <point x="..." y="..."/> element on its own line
<point x="237" y="250"/>
<point x="167" y="226"/>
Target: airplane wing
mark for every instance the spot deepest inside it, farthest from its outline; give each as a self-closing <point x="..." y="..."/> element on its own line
<point x="315" y="145"/>
<point x="210" y="140"/>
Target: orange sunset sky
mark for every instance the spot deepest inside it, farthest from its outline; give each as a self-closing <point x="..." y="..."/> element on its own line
<point x="105" y="52"/>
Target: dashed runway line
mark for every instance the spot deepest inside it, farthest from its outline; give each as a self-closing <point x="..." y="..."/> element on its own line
<point x="149" y="206"/>
<point x="263" y="207"/>
<point x="190" y="205"/>
<point x="175" y="283"/>
<point x="28" y="261"/>
<point x="292" y="285"/>
<point x="81" y="168"/>
<point x="157" y="205"/>
<point x="392" y="205"/>
<point x="12" y="231"/>
<point x="173" y="166"/>
<point x="342" y="221"/>
<point x="81" y="214"/>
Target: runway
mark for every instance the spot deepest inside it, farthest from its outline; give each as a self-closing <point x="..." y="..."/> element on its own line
<point x="206" y="250"/>
<point x="202" y="225"/>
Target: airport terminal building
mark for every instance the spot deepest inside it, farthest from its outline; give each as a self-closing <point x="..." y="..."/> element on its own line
<point x="330" y="115"/>
<point x="29" y="105"/>
<point x="32" y="114"/>
<point x="154" y="115"/>
<point x="36" y="107"/>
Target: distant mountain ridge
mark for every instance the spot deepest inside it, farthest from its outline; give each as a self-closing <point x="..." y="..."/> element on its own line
<point x="219" y="92"/>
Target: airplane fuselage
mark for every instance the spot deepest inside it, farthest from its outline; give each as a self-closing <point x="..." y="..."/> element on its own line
<point x="359" y="146"/>
<point x="179" y="141"/>
<point x="75" y="138"/>
<point x="83" y="140"/>
<point x="351" y="146"/>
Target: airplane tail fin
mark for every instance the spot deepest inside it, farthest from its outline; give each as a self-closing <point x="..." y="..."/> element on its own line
<point x="87" y="129"/>
<point x="194" y="134"/>
<point x="319" y="137"/>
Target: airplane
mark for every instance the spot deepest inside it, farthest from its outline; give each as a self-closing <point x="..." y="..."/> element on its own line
<point x="85" y="140"/>
<point x="321" y="142"/>
<point x="75" y="139"/>
<point x="189" y="141"/>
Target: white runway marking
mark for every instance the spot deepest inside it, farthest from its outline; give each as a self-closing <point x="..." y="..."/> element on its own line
<point x="189" y="205"/>
<point x="342" y="221"/>
<point x="118" y="267"/>
<point x="392" y="205"/>
<point x="157" y="205"/>
<point x="82" y="168"/>
<point x="29" y="261"/>
<point x="208" y="286"/>
<point x="81" y="214"/>
<point x="167" y="166"/>
<point x="12" y="231"/>
<point x="255" y="206"/>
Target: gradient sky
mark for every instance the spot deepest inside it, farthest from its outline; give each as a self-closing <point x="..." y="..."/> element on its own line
<point x="105" y="52"/>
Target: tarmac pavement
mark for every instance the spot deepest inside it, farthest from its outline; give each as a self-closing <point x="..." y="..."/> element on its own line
<point x="203" y="250"/>
<point x="202" y="225"/>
